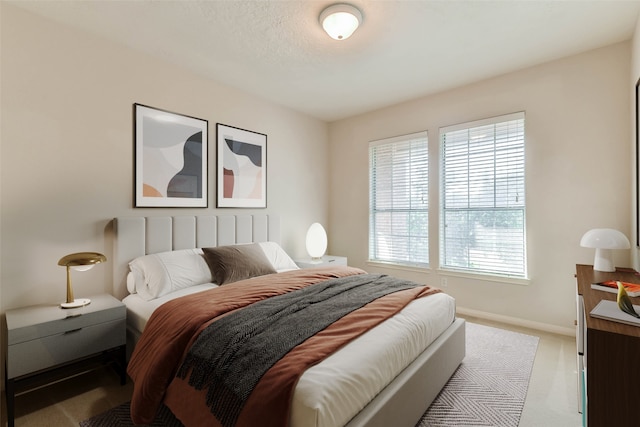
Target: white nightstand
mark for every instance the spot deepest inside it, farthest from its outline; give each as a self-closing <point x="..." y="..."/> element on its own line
<point x="47" y="343"/>
<point x="325" y="261"/>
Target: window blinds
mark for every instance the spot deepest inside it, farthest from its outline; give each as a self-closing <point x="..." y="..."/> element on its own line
<point x="399" y="200"/>
<point x="482" y="197"/>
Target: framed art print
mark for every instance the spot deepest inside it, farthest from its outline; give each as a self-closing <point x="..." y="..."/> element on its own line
<point x="242" y="168"/>
<point x="171" y="159"/>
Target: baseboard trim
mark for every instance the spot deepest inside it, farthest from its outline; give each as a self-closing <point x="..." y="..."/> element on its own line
<point x="517" y="321"/>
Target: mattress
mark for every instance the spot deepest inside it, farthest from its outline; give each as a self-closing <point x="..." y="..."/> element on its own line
<point x="139" y="311"/>
<point x="335" y="390"/>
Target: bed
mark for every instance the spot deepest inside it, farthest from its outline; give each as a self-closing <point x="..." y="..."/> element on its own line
<point x="396" y="393"/>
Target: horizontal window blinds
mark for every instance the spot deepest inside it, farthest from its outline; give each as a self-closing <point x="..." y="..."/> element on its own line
<point x="483" y="197"/>
<point x="399" y="200"/>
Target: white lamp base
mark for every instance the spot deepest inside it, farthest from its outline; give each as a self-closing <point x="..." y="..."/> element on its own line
<point x="81" y="302"/>
<point x="603" y="260"/>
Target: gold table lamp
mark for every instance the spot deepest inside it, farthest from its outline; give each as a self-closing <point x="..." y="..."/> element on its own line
<point x="80" y="261"/>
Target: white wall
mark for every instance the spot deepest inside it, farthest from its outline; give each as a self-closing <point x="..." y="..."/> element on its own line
<point x="67" y="151"/>
<point x="577" y="165"/>
<point x="66" y="158"/>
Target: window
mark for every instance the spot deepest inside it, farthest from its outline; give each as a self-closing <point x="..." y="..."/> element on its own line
<point x="399" y="200"/>
<point x="482" y="197"/>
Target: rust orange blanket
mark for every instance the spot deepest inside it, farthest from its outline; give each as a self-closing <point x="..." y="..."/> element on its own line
<point x="174" y="326"/>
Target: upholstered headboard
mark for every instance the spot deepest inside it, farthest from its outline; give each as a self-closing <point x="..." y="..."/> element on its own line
<point x="138" y="236"/>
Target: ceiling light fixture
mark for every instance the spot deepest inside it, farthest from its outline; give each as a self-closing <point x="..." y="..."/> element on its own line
<point x="340" y="20"/>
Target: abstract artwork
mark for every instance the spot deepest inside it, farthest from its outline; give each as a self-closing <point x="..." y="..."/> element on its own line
<point x="242" y="168"/>
<point x="171" y="159"/>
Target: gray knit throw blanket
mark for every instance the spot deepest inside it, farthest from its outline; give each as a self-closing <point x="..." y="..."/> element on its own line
<point x="231" y="355"/>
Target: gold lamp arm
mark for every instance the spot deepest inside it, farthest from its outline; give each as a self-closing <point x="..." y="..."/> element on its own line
<point x="69" y="288"/>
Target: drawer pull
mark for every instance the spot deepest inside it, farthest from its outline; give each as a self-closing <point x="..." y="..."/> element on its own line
<point x="72" y="331"/>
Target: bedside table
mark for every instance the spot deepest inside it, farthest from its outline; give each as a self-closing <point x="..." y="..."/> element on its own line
<point x="47" y="343"/>
<point x="325" y="261"/>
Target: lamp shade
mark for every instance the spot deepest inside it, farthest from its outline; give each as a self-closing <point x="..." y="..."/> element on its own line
<point x="604" y="240"/>
<point x="340" y="20"/>
<point x="83" y="260"/>
<point x="80" y="261"/>
<point x="316" y="240"/>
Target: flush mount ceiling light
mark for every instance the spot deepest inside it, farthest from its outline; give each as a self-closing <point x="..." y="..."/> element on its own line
<point x="340" y="20"/>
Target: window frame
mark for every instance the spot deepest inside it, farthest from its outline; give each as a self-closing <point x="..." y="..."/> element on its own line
<point x="442" y="208"/>
<point x="373" y="236"/>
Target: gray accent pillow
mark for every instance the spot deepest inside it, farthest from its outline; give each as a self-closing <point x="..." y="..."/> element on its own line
<point x="237" y="262"/>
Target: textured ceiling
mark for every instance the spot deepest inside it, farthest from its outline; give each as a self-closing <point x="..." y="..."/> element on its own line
<point x="404" y="49"/>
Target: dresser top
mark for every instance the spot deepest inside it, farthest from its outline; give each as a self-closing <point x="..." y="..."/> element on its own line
<point x="586" y="275"/>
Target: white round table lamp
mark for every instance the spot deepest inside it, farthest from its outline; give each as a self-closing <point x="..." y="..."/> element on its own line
<point x="316" y="241"/>
<point x="604" y="240"/>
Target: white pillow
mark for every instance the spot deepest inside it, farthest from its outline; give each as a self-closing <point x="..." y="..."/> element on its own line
<point x="158" y="274"/>
<point x="131" y="282"/>
<point x="280" y="260"/>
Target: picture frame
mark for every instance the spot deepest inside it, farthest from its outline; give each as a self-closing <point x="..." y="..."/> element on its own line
<point x="241" y="168"/>
<point x="171" y="155"/>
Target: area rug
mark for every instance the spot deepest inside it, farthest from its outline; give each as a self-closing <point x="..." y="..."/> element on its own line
<point x="490" y="385"/>
<point x="488" y="389"/>
<point x="120" y="416"/>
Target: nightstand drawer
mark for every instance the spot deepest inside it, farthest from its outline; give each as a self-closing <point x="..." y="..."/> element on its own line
<point x="30" y="356"/>
<point x="30" y="323"/>
<point x="34" y="355"/>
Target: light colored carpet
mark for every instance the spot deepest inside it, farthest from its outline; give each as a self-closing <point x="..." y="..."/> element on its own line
<point x="488" y="389"/>
<point x="490" y="386"/>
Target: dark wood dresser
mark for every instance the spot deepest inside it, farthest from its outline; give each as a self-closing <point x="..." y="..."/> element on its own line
<point x="608" y="355"/>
